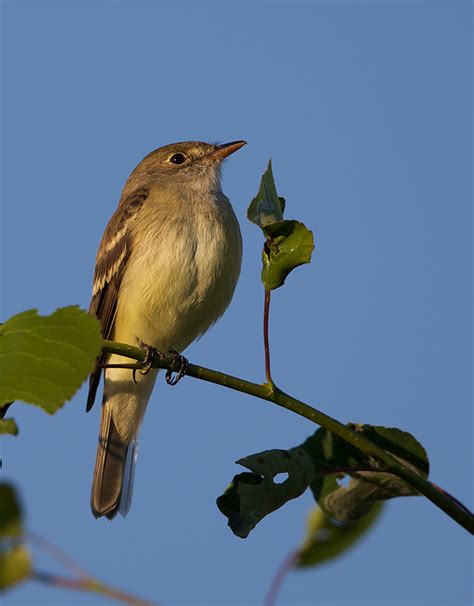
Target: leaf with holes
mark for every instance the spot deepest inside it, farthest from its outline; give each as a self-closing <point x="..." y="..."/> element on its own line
<point x="252" y="496"/>
<point x="368" y="483"/>
<point x="45" y="359"/>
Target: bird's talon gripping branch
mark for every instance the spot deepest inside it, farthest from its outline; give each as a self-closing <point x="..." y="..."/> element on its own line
<point x="147" y="363"/>
<point x="177" y="357"/>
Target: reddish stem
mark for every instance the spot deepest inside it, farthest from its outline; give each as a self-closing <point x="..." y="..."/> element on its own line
<point x="279" y="577"/>
<point x="58" y="554"/>
<point x="91" y="585"/>
<point x="266" y="318"/>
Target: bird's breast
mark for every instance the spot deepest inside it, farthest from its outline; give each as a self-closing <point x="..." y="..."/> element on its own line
<point x="182" y="272"/>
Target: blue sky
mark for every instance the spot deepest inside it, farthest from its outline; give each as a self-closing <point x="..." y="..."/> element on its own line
<point x="365" y="109"/>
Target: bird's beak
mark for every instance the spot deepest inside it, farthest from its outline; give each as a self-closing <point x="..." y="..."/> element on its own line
<point x="224" y="150"/>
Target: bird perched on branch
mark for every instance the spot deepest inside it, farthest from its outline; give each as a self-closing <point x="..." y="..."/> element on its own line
<point x="166" y="270"/>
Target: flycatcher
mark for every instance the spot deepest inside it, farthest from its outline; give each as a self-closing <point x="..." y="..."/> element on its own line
<point x="166" y="270"/>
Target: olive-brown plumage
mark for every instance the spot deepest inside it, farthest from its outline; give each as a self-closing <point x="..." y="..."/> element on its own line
<point x="166" y="270"/>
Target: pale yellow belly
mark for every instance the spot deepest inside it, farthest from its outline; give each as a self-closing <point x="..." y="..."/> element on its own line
<point x="171" y="295"/>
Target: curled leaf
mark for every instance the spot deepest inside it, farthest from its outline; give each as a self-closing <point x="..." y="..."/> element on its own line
<point x="252" y="496"/>
<point x="288" y="243"/>
<point x="368" y="483"/>
<point x="267" y="207"/>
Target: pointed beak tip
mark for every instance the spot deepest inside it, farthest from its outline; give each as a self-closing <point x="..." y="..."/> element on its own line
<point x="224" y="150"/>
<point x="240" y="144"/>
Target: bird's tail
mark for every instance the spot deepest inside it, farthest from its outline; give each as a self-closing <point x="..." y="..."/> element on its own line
<point x="123" y="407"/>
<point x="112" y="485"/>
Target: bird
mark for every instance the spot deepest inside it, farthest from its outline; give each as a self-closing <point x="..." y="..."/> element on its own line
<point x="166" y="270"/>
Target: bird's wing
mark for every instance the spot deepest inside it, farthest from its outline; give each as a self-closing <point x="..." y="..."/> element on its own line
<point x="112" y="257"/>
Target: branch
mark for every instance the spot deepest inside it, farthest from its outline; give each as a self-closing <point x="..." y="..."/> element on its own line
<point x="81" y="580"/>
<point x="91" y="585"/>
<point x="266" y="343"/>
<point x="279" y="577"/>
<point x="272" y="394"/>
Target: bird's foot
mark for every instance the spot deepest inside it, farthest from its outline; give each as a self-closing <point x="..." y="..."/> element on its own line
<point x="147" y="363"/>
<point x="183" y="367"/>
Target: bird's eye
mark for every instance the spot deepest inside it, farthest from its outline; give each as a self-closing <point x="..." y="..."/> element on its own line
<point x="177" y="159"/>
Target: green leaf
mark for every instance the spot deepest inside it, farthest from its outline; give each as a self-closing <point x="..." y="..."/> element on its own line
<point x="320" y="462"/>
<point x="8" y="426"/>
<point x="267" y="207"/>
<point x="289" y="244"/>
<point x="252" y="496"/>
<point x="15" y="566"/>
<point x="15" y="560"/>
<point x="399" y="443"/>
<point x="10" y="512"/>
<point x="326" y="539"/>
<point x="45" y="359"/>
<point x="368" y="483"/>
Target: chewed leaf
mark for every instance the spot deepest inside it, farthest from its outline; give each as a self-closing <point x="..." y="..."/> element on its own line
<point x="45" y="359"/>
<point x="267" y="207"/>
<point x="326" y="539"/>
<point x="369" y="483"/>
<point x="252" y="496"/>
<point x="289" y="244"/>
<point x="8" y="426"/>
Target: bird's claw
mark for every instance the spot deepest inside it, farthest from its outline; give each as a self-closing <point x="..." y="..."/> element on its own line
<point x="147" y="363"/>
<point x="177" y="357"/>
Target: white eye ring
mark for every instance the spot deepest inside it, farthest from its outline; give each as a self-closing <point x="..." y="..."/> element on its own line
<point x="177" y="159"/>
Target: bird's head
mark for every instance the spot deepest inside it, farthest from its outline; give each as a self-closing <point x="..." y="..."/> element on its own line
<point x="193" y="164"/>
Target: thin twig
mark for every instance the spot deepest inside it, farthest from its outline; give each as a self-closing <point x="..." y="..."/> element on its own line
<point x="57" y="553"/>
<point x="266" y="343"/>
<point x="278" y="397"/>
<point x="90" y="585"/>
<point x="83" y="581"/>
<point x="450" y="496"/>
<point x="280" y="575"/>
